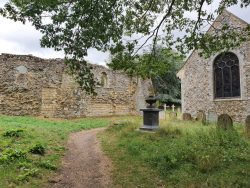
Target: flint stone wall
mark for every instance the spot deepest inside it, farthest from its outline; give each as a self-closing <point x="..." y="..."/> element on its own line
<point x="41" y="87"/>
<point x="197" y="81"/>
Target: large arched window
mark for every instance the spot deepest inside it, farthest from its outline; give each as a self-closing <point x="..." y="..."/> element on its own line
<point x="226" y="76"/>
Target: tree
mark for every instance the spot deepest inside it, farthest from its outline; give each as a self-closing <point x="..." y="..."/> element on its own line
<point x="161" y="67"/>
<point x="114" y="25"/>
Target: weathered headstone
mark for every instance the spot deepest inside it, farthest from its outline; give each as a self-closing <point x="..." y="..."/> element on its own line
<point x="212" y="117"/>
<point x="247" y="123"/>
<point x="186" y="117"/>
<point x="201" y="116"/>
<point x="173" y="115"/>
<point x="225" y="122"/>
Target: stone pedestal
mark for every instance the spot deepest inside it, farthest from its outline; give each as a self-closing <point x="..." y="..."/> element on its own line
<point x="150" y="119"/>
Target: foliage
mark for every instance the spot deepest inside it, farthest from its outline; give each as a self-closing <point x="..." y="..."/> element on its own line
<point x="159" y="64"/>
<point x="163" y="61"/>
<point x="13" y="133"/>
<point x="9" y="155"/>
<point x="167" y="86"/>
<point x="37" y="149"/>
<point x="29" y="173"/>
<point x="48" y="165"/>
<point x="19" y="167"/>
<point x="124" y="25"/>
<point x="180" y="154"/>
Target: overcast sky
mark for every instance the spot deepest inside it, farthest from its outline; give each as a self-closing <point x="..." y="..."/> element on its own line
<point x="17" y="38"/>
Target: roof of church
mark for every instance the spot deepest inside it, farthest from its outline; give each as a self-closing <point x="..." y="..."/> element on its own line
<point x="212" y="26"/>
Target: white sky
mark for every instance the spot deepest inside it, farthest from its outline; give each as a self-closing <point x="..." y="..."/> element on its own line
<point x="17" y="38"/>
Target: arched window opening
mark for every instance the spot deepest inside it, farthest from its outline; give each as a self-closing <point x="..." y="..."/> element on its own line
<point x="226" y="76"/>
<point x="104" y="79"/>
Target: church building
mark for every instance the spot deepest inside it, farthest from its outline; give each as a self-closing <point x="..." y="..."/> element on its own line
<point x="219" y="84"/>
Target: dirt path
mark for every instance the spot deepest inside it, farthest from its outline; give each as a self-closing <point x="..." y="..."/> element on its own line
<point x="84" y="165"/>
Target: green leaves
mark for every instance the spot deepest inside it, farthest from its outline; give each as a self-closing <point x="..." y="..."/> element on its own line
<point x="75" y="26"/>
<point x="160" y="64"/>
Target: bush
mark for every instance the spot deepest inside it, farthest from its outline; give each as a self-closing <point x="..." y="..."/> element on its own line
<point x="38" y="149"/>
<point x="29" y="173"/>
<point x="9" y="155"/>
<point x="47" y="165"/>
<point x="13" y="133"/>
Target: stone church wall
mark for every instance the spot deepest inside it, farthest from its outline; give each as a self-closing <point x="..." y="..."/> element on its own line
<point x="197" y="82"/>
<point x="41" y="87"/>
<point x="198" y="92"/>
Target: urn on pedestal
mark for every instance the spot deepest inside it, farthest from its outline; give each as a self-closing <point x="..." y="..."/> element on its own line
<point x="150" y="115"/>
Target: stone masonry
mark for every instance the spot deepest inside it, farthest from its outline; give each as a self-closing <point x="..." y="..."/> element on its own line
<point x="41" y="87"/>
<point x="197" y="80"/>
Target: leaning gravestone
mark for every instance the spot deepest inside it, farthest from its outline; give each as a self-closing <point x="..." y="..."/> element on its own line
<point x="186" y="117"/>
<point x="212" y="117"/>
<point x="247" y="122"/>
<point x="225" y="122"/>
<point x="201" y="116"/>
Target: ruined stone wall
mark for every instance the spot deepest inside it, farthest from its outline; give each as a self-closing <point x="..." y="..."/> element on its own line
<point x="197" y="83"/>
<point x="21" y="81"/>
<point x="35" y="86"/>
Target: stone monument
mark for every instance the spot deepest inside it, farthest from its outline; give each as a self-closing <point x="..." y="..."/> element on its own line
<point x="150" y="115"/>
<point x="225" y="122"/>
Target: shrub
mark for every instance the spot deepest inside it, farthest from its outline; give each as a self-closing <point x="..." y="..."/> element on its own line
<point x="47" y="165"/>
<point x="9" y="155"/>
<point x="38" y="149"/>
<point x="29" y="173"/>
<point x="13" y="133"/>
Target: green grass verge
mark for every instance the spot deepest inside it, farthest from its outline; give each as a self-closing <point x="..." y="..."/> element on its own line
<point x="31" y="149"/>
<point x="180" y="154"/>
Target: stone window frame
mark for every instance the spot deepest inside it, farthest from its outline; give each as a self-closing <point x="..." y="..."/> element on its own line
<point x="106" y="84"/>
<point x="242" y="63"/>
<point x="226" y="72"/>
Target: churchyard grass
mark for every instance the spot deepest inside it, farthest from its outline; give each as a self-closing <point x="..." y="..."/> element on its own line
<point x="31" y="149"/>
<point x="180" y="154"/>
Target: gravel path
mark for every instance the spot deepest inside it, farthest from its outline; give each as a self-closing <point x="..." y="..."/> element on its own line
<point x="84" y="165"/>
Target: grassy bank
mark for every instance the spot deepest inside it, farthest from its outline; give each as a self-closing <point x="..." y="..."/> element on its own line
<point x="31" y="148"/>
<point x="181" y="154"/>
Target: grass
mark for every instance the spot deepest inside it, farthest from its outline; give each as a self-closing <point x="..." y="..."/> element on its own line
<point x="31" y="149"/>
<point x="180" y="154"/>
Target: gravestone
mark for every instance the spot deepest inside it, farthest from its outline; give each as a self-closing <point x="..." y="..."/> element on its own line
<point x="173" y="107"/>
<point x="212" y="117"/>
<point x="186" y="117"/>
<point x="173" y="115"/>
<point x="225" y="122"/>
<point x="247" y="123"/>
<point x="201" y="116"/>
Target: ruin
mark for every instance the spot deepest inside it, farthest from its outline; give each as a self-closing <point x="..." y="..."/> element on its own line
<point x="42" y="87"/>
